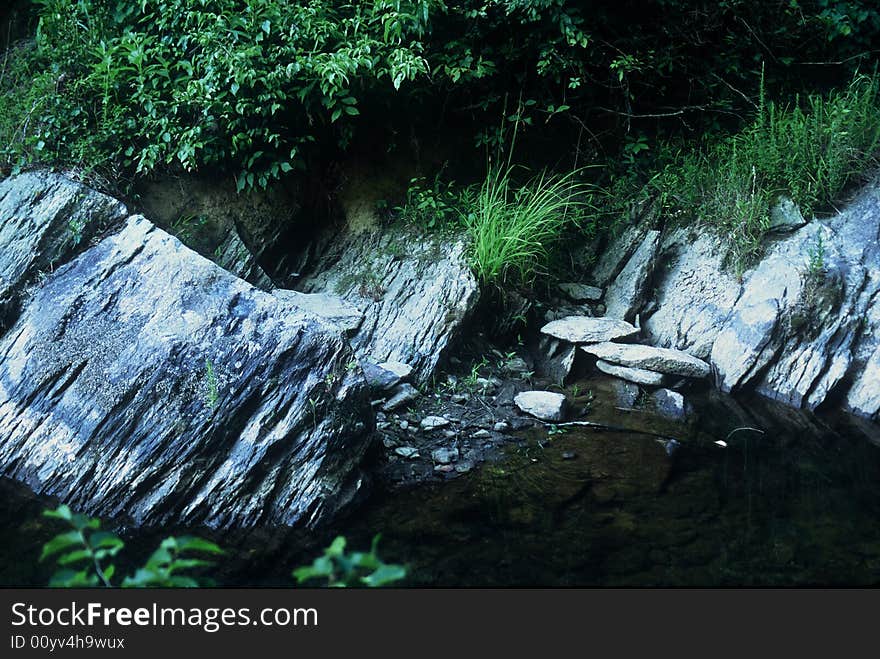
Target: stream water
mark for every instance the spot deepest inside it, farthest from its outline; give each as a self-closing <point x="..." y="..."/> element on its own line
<point x="793" y="499"/>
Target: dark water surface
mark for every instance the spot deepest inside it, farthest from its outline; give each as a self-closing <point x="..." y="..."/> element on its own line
<point x="795" y="504"/>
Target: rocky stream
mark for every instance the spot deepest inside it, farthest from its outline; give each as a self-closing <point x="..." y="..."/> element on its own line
<point x="662" y="421"/>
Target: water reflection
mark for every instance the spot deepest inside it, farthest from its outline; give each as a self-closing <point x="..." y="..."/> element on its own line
<point x="795" y="501"/>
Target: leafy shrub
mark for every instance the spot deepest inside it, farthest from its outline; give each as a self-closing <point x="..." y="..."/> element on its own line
<point x="84" y="551"/>
<point x="83" y="554"/>
<point x="340" y="569"/>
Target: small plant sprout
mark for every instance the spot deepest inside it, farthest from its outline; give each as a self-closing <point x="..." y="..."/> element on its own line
<point x="212" y="390"/>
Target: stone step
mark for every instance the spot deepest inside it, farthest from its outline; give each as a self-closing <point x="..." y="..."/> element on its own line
<point x="650" y="358"/>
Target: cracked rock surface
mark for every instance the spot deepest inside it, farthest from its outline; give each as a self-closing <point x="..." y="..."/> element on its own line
<point x="141" y="381"/>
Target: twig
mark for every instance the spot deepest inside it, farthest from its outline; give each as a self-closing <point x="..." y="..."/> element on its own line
<point x="674" y="113"/>
<point x="736" y="430"/>
<point x="757" y="38"/>
<point x="603" y="426"/>
<point x="747" y="99"/>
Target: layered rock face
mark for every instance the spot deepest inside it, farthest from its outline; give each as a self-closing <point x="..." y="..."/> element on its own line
<point x="141" y="380"/>
<point x="415" y="292"/>
<point x="803" y="326"/>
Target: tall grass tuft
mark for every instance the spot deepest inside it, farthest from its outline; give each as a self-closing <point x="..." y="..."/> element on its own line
<point x="514" y="228"/>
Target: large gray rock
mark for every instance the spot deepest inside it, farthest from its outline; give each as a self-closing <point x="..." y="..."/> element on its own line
<point x="415" y="292"/>
<point x="45" y="219"/>
<point x="584" y="329"/>
<point x="625" y="295"/>
<point x="695" y="295"/>
<point x="793" y="331"/>
<point x="143" y="381"/>
<point x="803" y="325"/>
<point x="649" y="358"/>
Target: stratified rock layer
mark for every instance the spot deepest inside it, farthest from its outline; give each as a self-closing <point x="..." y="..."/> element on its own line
<point x="142" y="381"/>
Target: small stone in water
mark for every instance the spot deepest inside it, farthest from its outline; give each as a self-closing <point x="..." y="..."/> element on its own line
<point x="569" y="455"/>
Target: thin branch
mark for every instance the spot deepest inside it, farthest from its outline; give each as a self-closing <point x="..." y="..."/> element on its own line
<point x="746" y="98"/>
<point x="675" y="113"/>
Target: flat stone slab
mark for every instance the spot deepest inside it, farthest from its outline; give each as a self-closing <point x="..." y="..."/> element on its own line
<point x="636" y="375"/>
<point x="544" y="405"/>
<point x="661" y="360"/>
<point x="585" y="329"/>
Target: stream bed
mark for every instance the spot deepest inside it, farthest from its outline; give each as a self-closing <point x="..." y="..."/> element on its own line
<point x="793" y="499"/>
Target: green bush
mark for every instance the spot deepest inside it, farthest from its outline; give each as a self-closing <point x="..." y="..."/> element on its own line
<point x="84" y="552"/>
<point x="83" y="555"/>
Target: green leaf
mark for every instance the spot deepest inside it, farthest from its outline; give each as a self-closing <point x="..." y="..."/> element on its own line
<point x="384" y="575"/>
<point x="192" y="543"/>
<point x="74" y="556"/>
<point x="61" y="542"/>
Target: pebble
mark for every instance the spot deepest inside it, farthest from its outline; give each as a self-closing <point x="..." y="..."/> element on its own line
<point x="459" y="398"/>
<point x="404" y="424"/>
<point x="434" y="422"/>
<point x="410" y="452"/>
<point x="445" y="469"/>
<point x="444" y="455"/>
<point x="464" y="467"/>
<point x="569" y="455"/>
<point x="501" y="426"/>
<point x="481" y="433"/>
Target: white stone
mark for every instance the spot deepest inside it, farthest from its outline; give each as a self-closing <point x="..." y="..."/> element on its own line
<point x="544" y="405"/>
<point x="585" y="329"/>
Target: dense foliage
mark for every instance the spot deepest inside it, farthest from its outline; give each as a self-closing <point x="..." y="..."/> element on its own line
<point x="247" y="86"/>
<point x="83" y="554"/>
